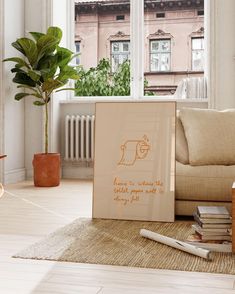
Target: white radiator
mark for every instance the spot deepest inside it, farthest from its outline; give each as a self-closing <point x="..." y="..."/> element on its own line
<point x="79" y="138"/>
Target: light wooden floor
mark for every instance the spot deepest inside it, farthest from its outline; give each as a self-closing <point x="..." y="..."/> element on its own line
<point x="27" y="214"/>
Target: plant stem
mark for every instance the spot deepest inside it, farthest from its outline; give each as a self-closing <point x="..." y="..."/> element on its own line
<point x="46" y="125"/>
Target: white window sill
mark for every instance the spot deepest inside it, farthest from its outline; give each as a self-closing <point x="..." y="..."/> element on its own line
<point x="91" y="100"/>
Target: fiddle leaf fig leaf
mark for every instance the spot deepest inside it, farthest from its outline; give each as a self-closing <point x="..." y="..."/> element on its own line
<point x="51" y="85"/>
<point x="18" y="60"/>
<point x="35" y="75"/>
<point x="20" y="96"/>
<point x="39" y="103"/>
<point x="55" y="32"/>
<point x="46" y="45"/>
<point x="36" y="35"/>
<point x="68" y="72"/>
<point x="63" y="56"/>
<point x="30" y="49"/>
<point x="18" y="47"/>
<point x="23" y="79"/>
<point x="17" y="69"/>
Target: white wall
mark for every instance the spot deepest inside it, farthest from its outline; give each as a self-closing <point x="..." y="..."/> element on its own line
<point x="221" y="50"/>
<point x="23" y="129"/>
<point x="39" y="15"/>
<point x="13" y="111"/>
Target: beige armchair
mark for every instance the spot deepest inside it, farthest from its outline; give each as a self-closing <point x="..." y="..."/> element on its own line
<point x="205" y="158"/>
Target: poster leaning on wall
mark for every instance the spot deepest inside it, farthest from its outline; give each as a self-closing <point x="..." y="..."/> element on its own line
<point x="134" y="169"/>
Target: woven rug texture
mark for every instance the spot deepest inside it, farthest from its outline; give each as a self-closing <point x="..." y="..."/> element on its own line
<point x="118" y="242"/>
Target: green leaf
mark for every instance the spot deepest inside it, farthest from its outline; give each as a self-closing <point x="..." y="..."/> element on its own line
<point x="35" y="75"/>
<point x="68" y="72"/>
<point x="36" y="35"/>
<point x="27" y="87"/>
<point x="30" y="49"/>
<point x="20" y="96"/>
<point x="16" y="69"/>
<point x="23" y="79"/>
<point x="63" y="56"/>
<point x="48" y="66"/>
<point x="18" y="60"/>
<point x="51" y="85"/>
<point x="46" y="45"/>
<point x="55" y="32"/>
<point x="35" y="92"/>
<point x="39" y="103"/>
<point x="18" y="47"/>
<point x="48" y="73"/>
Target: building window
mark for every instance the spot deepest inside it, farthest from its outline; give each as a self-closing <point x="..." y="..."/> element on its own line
<point x="160" y="55"/>
<point x="120" y="17"/>
<point x="198" y="54"/>
<point x="120" y="52"/>
<point x="200" y="12"/>
<point x="160" y="15"/>
<point x="78" y="51"/>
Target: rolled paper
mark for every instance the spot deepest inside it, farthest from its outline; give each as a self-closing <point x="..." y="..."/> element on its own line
<point x="201" y="252"/>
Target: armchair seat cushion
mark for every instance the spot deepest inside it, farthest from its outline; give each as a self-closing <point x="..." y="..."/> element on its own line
<point x="204" y="183"/>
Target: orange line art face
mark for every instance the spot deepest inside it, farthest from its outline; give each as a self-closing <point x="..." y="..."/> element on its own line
<point x="133" y="150"/>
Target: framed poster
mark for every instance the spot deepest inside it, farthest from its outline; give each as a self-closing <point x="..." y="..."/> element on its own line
<point x="134" y="169"/>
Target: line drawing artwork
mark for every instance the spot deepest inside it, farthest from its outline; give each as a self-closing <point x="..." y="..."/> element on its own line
<point x="133" y="150"/>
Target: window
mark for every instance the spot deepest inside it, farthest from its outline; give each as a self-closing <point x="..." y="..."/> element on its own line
<point x="78" y="51"/>
<point x="160" y="15"/>
<point x="198" y="54"/>
<point x="120" y="17"/>
<point x="103" y="27"/>
<point x="160" y="54"/>
<point x="120" y="52"/>
<point x="200" y="12"/>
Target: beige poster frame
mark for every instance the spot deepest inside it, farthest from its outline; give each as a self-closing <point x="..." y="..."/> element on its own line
<point x="134" y="168"/>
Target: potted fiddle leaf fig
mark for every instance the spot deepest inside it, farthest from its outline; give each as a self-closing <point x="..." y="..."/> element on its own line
<point x="43" y="70"/>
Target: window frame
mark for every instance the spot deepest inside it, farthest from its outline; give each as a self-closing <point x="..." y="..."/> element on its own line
<point x="78" y="52"/>
<point x="197" y="50"/>
<point x="136" y="57"/>
<point x="118" y="53"/>
<point x="161" y="53"/>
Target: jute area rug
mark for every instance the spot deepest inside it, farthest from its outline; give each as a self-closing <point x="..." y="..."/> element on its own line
<point x="118" y="242"/>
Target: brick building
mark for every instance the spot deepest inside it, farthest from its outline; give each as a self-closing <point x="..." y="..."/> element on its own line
<point x="173" y="38"/>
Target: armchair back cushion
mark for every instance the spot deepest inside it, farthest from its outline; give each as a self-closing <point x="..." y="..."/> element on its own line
<point x="181" y="153"/>
<point x="210" y="135"/>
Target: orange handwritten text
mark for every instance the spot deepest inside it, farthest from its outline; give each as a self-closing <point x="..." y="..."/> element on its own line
<point x="124" y="201"/>
<point x="130" y="192"/>
<point x="119" y="182"/>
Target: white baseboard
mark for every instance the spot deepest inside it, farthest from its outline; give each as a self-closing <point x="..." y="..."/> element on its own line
<point x="14" y="176"/>
<point x="70" y="172"/>
<point x="29" y="174"/>
<point x="75" y="172"/>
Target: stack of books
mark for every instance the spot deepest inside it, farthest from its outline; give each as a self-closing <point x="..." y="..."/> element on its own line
<point x="212" y="228"/>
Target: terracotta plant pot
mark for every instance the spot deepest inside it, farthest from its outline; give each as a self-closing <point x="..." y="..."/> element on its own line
<point x="46" y="169"/>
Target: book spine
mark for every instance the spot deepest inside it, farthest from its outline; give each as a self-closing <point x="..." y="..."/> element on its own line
<point x="233" y="218"/>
